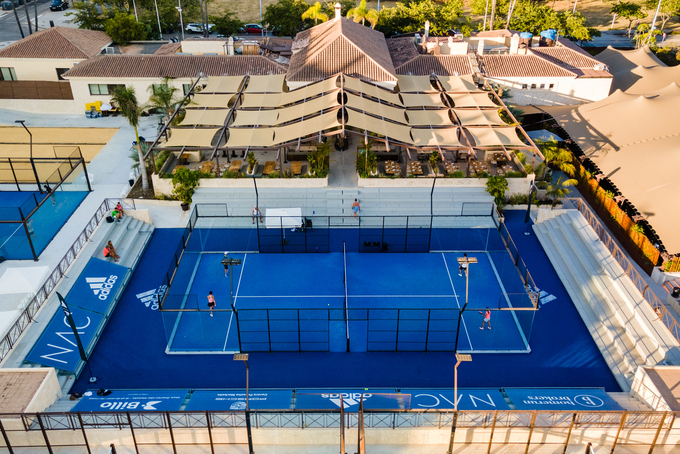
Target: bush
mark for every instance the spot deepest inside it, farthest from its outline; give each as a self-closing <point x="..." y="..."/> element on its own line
<point x="514" y="175"/>
<point x="184" y="181"/>
<point x="230" y="174"/>
<point x="456" y="174"/>
<point x="542" y="184"/>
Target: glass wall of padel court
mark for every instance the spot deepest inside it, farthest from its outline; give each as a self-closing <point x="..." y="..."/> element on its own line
<point x="405" y="293"/>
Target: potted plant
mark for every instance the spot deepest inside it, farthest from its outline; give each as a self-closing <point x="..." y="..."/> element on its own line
<point x="184" y="182"/>
<point x="434" y="159"/>
<point x="252" y="162"/>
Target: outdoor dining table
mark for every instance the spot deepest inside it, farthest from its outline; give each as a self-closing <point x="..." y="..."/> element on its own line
<point x="450" y="167"/>
<point x="392" y="168"/>
<point x="206" y="167"/>
<point x="235" y="166"/>
<point x="296" y="167"/>
<point x="269" y="167"/>
<point x="415" y="168"/>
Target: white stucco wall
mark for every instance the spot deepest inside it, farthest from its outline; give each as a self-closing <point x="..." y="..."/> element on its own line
<point x="46" y="106"/>
<point x="37" y="68"/>
<point x="82" y="96"/>
<point x="565" y="91"/>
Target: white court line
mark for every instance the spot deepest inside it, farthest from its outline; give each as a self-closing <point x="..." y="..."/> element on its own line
<point x="467" y="333"/>
<point x="243" y="265"/>
<point x="349" y="296"/>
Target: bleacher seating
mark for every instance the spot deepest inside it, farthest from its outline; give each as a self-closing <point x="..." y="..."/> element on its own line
<point x="625" y="327"/>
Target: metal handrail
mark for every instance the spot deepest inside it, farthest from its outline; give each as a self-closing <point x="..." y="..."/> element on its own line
<point x="42" y="295"/>
<point x="647" y="293"/>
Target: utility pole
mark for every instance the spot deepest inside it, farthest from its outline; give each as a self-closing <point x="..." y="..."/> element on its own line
<point x="16" y="15"/>
<point x="28" y="19"/>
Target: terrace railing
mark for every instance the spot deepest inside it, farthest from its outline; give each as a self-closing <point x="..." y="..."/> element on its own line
<point x="640" y="283"/>
<point x="651" y="428"/>
<point x="26" y="317"/>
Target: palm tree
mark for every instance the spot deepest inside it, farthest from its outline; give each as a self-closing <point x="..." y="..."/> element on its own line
<point x="559" y="189"/>
<point x="164" y="96"/>
<point x="315" y="12"/>
<point x="362" y="14"/>
<point x="126" y="100"/>
<point x="558" y="157"/>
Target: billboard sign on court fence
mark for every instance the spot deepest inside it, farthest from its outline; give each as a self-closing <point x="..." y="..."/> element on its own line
<point x="562" y="399"/>
<point x="329" y="399"/>
<point x="235" y="399"/>
<point x="159" y="400"/>
<point x="468" y="399"/>
<point x="96" y="286"/>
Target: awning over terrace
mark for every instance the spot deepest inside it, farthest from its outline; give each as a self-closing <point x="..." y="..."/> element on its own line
<point x="472" y="100"/>
<point x="420" y="84"/>
<point x="489" y="137"/>
<point x="436" y="137"/>
<point x="256" y="117"/>
<point x="375" y="108"/>
<point x="266" y="84"/>
<point x="303" y="128"/>
<point x="479" y="117"/>
<point x="183" y="137"/>
<point x="458" y="84"/>
<point x="225" y="84"/>
<point x="422" y="100"/>
<point x="393" y="131"/>
<point x="432" y="117"/>
<point x="213" y="117"/>
<point x="210" y="100"/>
<point x="372" y="90"/>
<point x="250" y="137"/>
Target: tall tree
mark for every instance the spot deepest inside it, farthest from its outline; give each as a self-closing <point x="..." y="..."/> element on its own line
<point x="362" y="14"/>
<point x="227" y="24"/>
<point x="123" y="28"/>
<point x="286" y="15"/>
<point x="628" y="10"/>
<point x="315" y="13"/>
<point x="559" y="189"/>
<point x="668" y="9"/>
<point x="164" y="96"/>
<point x="126" y="100"/>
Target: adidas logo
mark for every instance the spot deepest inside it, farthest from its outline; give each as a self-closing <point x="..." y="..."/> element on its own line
<point x="348" y="399"/>
<point x="101" y="286"/>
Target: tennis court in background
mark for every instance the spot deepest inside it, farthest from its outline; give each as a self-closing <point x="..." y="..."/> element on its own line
<point x="391" y="302"/>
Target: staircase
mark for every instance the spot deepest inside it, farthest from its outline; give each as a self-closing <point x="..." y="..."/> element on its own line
<point x="624" y="326"/>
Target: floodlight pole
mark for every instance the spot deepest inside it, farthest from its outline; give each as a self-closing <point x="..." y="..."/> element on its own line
<point x="244" y="357"/>
<point x="464" y="260"/>
<point x="35" y="172"/>
<point x="459" y="359"/>
<point x="228" y="261"/>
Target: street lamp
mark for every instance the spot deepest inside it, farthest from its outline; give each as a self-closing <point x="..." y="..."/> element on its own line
<point x="459" y="359"/>
<point x="244" y="357"/>
<point x="181" y="22"/>
<point x="467" y="261"/>
<point x="35" y="172"/>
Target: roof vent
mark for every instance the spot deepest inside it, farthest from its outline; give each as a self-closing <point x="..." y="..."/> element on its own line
<point x="600" y="67"/>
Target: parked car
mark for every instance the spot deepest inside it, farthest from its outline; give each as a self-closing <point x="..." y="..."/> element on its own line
<point x="252" y="28"/>
<point x="58" y="5"/>
<point x="197" y="28"/>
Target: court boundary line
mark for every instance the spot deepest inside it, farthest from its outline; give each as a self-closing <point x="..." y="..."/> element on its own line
<point x="238" y="286"/>
<point x="350" y="296"/>
<point x="184" y="301"/>
<point x="460" y="315"/>
<point x="507" y="300"/>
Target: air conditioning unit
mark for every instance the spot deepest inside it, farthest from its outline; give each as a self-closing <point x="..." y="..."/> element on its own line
<point x="600" y="67"/>
<point x="109" y="50"/>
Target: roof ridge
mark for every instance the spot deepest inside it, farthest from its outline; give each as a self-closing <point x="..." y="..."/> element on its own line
<point x="58" y="29"/>
<point x="371" y="58"/>
<point x="554" y="64"/>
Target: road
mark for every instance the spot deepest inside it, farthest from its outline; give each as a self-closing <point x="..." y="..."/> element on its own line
<point x="9" y="30"/>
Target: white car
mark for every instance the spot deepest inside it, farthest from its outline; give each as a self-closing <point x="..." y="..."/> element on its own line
<point x="197" y="28"/>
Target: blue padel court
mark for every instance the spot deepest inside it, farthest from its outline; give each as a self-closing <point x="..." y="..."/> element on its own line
<point x="132" y="352"/>
<point x="296" y="302"/>
<point x="43" y="225"/>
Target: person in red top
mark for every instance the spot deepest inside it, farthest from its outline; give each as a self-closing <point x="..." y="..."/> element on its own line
<point x="487" y="318"/>
<point x="211" y="302"/>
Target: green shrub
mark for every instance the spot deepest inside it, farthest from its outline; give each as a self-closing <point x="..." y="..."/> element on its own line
<point x="542" y="184"/>
<point x="514" y="175"/>
<point x="456" y="174"/>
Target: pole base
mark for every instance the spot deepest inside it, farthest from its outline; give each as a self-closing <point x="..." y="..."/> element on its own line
<point x="93" y="380"/>
<point x="527" y="233"/>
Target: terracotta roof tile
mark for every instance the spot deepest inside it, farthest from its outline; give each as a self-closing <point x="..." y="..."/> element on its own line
<point x="174" y="66"/>
<point x="521" y="66"/>
<point x="340" y="45"/>
<point x="570" y="59"/>
<point x="402" y="50"/>
<point x="58" y="42"/>
<point x="441" y="65"/>
<point x="169" y="49"/>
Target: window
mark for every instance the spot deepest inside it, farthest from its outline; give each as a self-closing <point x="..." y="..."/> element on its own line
<point x="524" y="86"/>
<point x="8" y="74"/>
<point x="551" y="86"/>
<point x="61" y="71"/>
<point x="542" y="86"/>
<point x="186" y="88"/>
<point x="533" y="86"/>
<point x="103" y="89"/>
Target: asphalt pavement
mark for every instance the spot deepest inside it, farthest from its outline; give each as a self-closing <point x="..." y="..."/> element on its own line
<point x="9" y="30"/>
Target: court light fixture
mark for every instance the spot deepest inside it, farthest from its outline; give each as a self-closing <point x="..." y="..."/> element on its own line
<point x="244" y="357"/>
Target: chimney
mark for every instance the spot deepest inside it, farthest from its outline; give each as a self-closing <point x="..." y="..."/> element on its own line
<point x="230" y="46"/>
<point x="480" y="47"/>
<point x="338" y="8"/>
<point x="514" y="43"/>
<point x="427" y="29"/>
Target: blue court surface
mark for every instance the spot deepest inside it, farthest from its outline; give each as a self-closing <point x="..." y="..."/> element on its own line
<point x="288" y="302"/>
<point x="131" y="354"/>
<point x="43" y="225"/>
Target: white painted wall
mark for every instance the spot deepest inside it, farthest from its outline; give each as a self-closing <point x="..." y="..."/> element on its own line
<point x="37" y="68"/>
<point x="45" y="106"/>
<point x="566" y="91"/>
